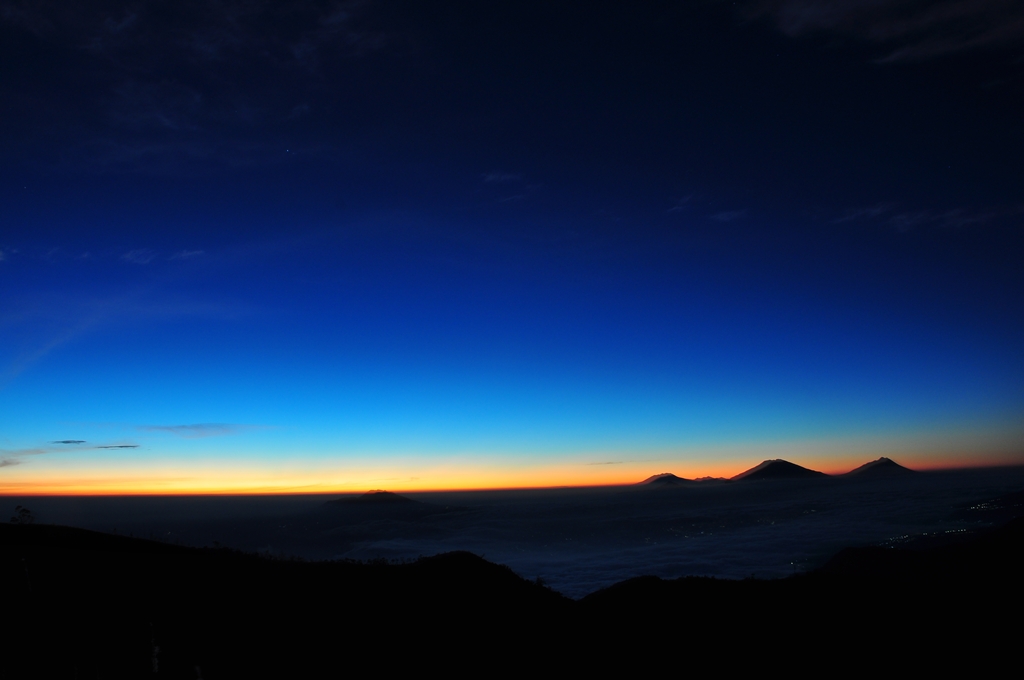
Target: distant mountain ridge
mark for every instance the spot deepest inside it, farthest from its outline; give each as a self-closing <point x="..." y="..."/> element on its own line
<point x="665" y="479"/>
<point x="777" y="469"/>
<point x="376" y="497"/>
<point x="383" y="504"/>
<point x="883" y="467"/>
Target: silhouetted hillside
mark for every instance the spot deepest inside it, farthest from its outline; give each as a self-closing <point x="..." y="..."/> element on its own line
<point x="777" y="469"/>
<point x="956" y="606"/>
<point x="84" y="604"/>
<point x="994" y="510"/>
<point x="883" y="467"/>
<point x="997" y="554"/>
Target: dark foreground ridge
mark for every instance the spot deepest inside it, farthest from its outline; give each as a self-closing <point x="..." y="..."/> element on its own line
<point x="85" y="604"/>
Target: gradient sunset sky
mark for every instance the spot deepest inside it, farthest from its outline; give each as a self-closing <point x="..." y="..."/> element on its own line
<point x="339" y="246"/>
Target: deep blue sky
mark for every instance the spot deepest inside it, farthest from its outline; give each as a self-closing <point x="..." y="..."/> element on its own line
<point x="347" y="245"/>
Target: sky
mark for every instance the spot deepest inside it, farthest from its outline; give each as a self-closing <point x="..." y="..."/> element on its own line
<point x="252" y="247"/>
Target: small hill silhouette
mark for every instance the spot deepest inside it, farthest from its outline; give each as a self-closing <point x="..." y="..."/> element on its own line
<point x="378" y="496"/>
<point x="664" y="479"/>
<point x="377" y="504"/>
<point x="778" y="469"/>
<point x="883" y="467"/>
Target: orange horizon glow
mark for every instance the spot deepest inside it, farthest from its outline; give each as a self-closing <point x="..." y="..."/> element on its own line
<point x="221" y="483"/>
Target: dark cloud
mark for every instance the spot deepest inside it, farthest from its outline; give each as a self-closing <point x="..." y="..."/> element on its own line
<point x="68" y="441"/>
<point x="119" y="446"/>
<point x="907" y="29"/>
<point x="7" y="462"/>
<point x="607" y="462"/>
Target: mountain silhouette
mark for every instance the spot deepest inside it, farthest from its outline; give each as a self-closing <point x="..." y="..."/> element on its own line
<point x="665" y="479"/>
<point x="777" y="469"/>
<point x="883" y="467"/>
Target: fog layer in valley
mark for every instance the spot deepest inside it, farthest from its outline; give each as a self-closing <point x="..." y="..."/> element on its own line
<point x="575" y="540"/>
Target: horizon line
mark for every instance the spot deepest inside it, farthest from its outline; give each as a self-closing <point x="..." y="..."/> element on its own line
<point x="293" y="491"/>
